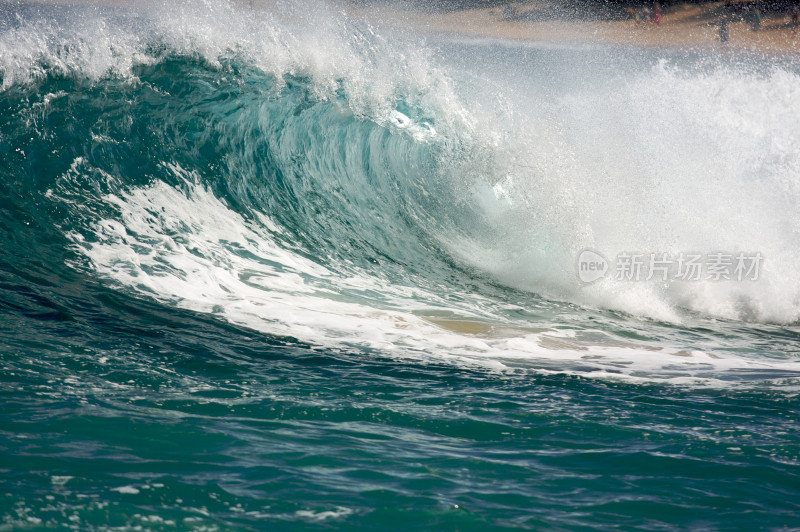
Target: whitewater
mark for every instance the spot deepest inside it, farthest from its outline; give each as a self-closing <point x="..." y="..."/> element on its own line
<point x="282" y="265"/>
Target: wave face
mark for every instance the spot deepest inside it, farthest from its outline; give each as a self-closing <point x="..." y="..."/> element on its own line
<point x="298" y="173"/>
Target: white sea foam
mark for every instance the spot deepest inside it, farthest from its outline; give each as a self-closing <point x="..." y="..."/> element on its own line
<point x="204" y="270"/>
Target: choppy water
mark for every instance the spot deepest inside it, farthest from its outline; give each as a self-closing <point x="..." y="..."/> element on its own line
<point x="279" y="269"/>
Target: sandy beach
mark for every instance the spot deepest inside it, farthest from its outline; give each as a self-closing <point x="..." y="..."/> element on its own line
<point x="682" y="26"/>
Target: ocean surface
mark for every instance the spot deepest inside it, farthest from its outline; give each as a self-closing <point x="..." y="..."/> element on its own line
<point x="283" y="269"/>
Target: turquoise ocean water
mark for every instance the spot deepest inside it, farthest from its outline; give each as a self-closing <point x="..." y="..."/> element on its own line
<point x="280" y="269"/>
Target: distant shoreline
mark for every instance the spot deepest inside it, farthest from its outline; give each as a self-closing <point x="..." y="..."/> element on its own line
<point x="682" y="26"/>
